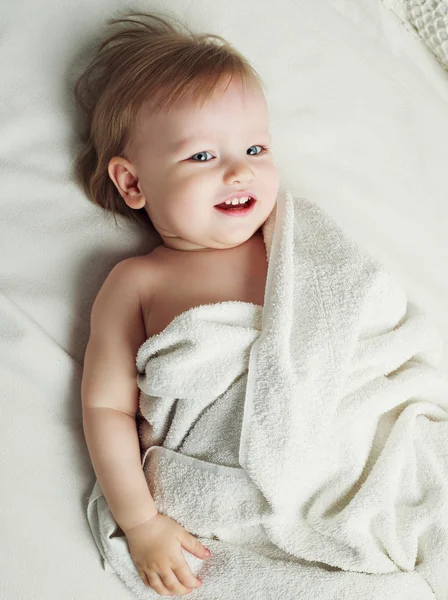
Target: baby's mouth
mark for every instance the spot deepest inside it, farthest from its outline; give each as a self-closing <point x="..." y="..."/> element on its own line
<point x="239" y="204"/>
<point x="239" y="209"/>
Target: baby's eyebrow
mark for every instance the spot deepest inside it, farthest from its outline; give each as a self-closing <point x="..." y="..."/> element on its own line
<point x="185" y="142"/>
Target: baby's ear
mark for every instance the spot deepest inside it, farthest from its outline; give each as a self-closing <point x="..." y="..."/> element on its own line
<point x="125" y="179"/>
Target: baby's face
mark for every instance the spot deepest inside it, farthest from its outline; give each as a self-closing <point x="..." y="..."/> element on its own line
<point x="195" y="157"/>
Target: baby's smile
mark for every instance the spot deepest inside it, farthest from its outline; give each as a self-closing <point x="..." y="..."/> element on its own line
<point x="239" y="205"/>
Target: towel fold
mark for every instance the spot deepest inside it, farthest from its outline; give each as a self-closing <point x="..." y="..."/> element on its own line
<point x="304" y="442"/>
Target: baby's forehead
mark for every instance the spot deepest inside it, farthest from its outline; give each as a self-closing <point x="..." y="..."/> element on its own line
<point x="239" y="111"/>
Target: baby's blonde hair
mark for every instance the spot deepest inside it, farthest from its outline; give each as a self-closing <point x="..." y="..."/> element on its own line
<point x="145" y="60"/>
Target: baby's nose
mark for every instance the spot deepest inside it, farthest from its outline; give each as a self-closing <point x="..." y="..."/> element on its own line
<point x="239" y="173"/>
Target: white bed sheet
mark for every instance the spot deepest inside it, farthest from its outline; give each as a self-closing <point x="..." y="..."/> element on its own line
<point x="360" y="123"/>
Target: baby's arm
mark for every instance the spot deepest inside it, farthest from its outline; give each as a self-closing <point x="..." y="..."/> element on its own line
<point x="110" y="396"/>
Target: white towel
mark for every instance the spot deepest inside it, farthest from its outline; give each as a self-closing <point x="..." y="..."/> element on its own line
<point x="304" y="442"/>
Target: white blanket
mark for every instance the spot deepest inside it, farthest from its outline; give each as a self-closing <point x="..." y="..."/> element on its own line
<point x="304" y="442"/>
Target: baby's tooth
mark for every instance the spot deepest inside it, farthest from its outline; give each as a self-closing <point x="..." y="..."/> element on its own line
<point x="242" y="200"/>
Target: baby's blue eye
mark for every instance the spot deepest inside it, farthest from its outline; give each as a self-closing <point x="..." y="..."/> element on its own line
<point x="201" y="156"/>
<point x="252" y="153"/>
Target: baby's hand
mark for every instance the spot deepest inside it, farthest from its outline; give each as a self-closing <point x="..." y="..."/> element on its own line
<point x="155" y="547"/>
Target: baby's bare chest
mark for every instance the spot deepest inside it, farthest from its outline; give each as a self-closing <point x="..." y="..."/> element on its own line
<point x="181" y="282"/>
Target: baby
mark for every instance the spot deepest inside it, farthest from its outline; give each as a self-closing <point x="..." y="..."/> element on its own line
<point x="178" y="137"/>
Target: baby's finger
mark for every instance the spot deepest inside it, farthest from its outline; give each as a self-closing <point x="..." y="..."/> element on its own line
<point x="171" y="582"/>
<point x="144" y="578"/>
<point x="157" y="584"/>
<point x="184" y="574"/>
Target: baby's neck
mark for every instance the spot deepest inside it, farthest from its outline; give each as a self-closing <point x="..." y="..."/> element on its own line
<point x="257" y="236"/>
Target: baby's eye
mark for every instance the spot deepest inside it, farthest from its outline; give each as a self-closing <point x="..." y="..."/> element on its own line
<point x="201" y="156"/>
<point x="255" y="153"/>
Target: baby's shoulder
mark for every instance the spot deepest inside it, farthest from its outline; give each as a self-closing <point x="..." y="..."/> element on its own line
<point x="135" y="264"/>
<point x="136" y="274"/>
